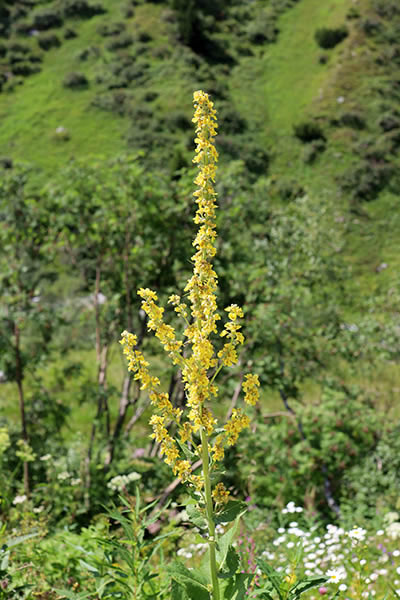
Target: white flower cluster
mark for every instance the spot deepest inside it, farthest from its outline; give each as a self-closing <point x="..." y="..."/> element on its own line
<point x="19" y="499"/>
<point x="292" y="508"/>
<point x="192" y="549"/>
<point x="346" y="558"/>
<point x="118" y="483"/>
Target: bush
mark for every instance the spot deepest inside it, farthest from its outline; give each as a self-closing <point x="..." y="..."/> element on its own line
<point x="371" y="26"/>
<point x="75" y="81"/>
<point x="3" y="50"/>
<point x="25" y="68"/>
<point x="48" y="40"/>
<point x="23" y="27"/>
<point x="339" y="432"/>
<point x="108" y="29"/>
<point x="47" y="20"/>
<point x="263" y="30"/>
<point x="121" y="41"/>
<point x="6" y="162"/>
<point x="144" y="37"/>
<point x="364" y="182"/>
<point x="387" y="8"/>
<point x="389" y="121"/>
<point x="353" y="120"/>
<point x="288" y="189"/>
<point x="308" y="131"/>
<point x="312" y="151"/>
<point x="374" y="485"/>
<point x="18" y="47"/>
<point x="329" y="38"/>
<point x="91" y="52"/>
<point x="70" y="34"/>
<point x="82" y="9"/>
<point x="13" y="59"/>
<point x="35" y="58"/>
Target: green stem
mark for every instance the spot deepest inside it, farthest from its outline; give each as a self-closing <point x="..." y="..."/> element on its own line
<point x="210" y="515"/>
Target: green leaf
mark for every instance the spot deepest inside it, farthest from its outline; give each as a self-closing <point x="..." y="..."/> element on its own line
<point x="233" y="509"/>
<point x="196" y="516"/>
<point x="194" y="583"/>
<point x="306" y="584"/>
<point x="274" y="577"/>
<point x="232" y="563"/>
<point x="225" y="542"/>
<point x="238" y="586"/>
<point x="178" y="591"/>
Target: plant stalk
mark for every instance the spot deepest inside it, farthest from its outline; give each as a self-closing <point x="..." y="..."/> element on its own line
<point x="210" y="513"/>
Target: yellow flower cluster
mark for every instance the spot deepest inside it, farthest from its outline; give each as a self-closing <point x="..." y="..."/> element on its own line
<point x="220" y="494"/>
<point x="201" y="367"/>
<point x="250" y="387"/>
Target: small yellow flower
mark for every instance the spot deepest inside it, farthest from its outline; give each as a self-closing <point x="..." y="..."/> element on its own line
<point x="250" y="387"/>
<point x="220" y="494"/>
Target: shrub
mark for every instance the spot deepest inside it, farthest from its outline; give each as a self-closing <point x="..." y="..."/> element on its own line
<point x="371" y="26"/>
<point x="70" y="34"/>
<point x="178" y="120"/>
<point x="113" y="102"/>
<point x="6" y="162"/>
<point x="353" y="13"/>
<point x="47" y="20"/>
<point x="121" y="41"/>
<point x="35" y="58"/>
<point x="13" y="59"/>
<point x="338" y="432"/>
<point x="308" y="131"/>
<point x="312" y="151"/>
<point x="108" y="29"/>
<point x="81" y="8"/>
<point x="48" y="40"/>
<point x="3" y="50"/>
<point x="374" y="484"/>
<point x="389" y="121"/>
<point x="329" y="38"/>
<point x="25" y="68"/>
<point x="231" y="121"/>
<point x="353" y="120"/>
<point x="263" y="30"/>
<point x="75" y="81"/>
<point x="386" y="8"/>
<point x="365" y="181"/>
<point x="86" y="53"/>
<point x="288" y="189"/>
<point x="18" y="47"/>
<point x="23" y="27"/>
<point x="144" y="37"/>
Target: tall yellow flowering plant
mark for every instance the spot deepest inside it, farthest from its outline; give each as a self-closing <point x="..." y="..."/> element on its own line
<point x="198" y="434"/>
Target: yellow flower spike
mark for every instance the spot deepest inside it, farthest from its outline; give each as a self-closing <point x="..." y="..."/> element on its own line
<point x="196" y="424"/>
<point x="250" y="387"/>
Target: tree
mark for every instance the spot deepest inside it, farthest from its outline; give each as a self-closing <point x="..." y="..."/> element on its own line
<point x="27" y="251"/>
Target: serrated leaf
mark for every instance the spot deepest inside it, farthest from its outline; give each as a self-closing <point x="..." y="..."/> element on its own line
<point x="238" y="586"/>
<point x="196" y="516"/>
<point x="194" y="583"/>
<point x="232" y="563"/>
<point x="233" y="509"/>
